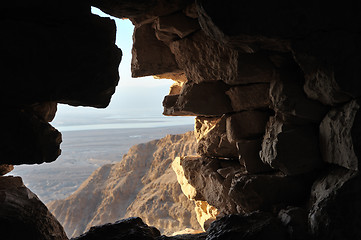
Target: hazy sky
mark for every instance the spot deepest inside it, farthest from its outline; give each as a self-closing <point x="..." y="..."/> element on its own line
<point x="134" y="96"/>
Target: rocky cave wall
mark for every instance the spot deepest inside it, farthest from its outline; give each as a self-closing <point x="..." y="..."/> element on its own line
<point x="274" y="86"/>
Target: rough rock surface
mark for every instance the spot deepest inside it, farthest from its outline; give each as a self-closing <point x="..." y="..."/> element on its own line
<point x="257" y="225"/>
<point x="23" y="215"/>
<point x="295" y="219"/>
<point x="335" y="208"/>
<point x="204" y="99"/>
<point x="339" y="136"/>
<point x="127" y="229"/>
<point x="212" y="138"/>
<point x="142" y="184"/>
<point x="246" y="125"/>
<point x="249" y="97"/>
<point x="266" y="191"/>
<point x="154" y="60"/>
<point x="293" y="149"/>
<point x="5" y="168"/>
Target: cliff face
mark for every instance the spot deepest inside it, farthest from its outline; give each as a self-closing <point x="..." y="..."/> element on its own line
<point x="142" y="184"/>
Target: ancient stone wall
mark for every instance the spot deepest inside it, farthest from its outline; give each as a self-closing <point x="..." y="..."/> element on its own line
<point x="274" y="86"/>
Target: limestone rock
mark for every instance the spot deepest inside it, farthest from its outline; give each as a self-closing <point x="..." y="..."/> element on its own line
<point x="154" y="60"/>
<point x="335" y="208"/>
<point x="177" y="23"/>
<point x="198" y="52"/>
<point x="23" y="215"/>
<point x="28" y="139"/>
<point x="130" y="228"/>
<point x="204" y="99"/>
<point x="210" y="186"/>
<point x="248" y="151"/>
<point x="5" y="168"/>
<point x="212" y="138"/>
<point x="293" y="149"/>
<point x="257" y="225"/>
<point x="265" y="191"/>
<point x="205" y="212"/>
<point x="246" y="125"/>
<point x="339" y="136"/>
<point x="143" y="184"/>
<point x="288" y="96"/>
<point x="249" y="97"/>
<point x="56" y="62"/>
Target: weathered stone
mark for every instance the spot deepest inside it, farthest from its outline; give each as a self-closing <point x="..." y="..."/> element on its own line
<point x="257" y="225"/>
<point x="293" y="149"/>
<point x="265" y="191"/>
<point x="23" y="215"/>
<point x="45" y="111"/>
<point x="295" y="219"/>
<point x="249" y="155"/>
<point x="335" y="205"/>
<point x="330" y="62"/>
<point x="176" y="88"/>
<point x="210" y="186"/>
<point x="205" y="212"/>
<point x="246" y="125"/>
<point x="28" y="139"/>
<point x="130" y="228"/>
<point x="56" y="62"/>
<point x="194" y="236"/>
<point x="212" y="138"/>
<point x="154" y="60"/>
<point x="198" y="52"/>
<point x="204" y="99"/>
<point x="177" y="23"/>
<point x="249" y="97"/>
<point x="176" y="76"/>
<point x="5" y="168"/>
<point x="339" y="136"/>
<point x="288" y="97"/>
<point x="191" y="10"/>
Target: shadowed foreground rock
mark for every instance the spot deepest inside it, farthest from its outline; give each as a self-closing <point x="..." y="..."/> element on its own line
<point x="23" y="215"/>
<point x="127" y="229"/>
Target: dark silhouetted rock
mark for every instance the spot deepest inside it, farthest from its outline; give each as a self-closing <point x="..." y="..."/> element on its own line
<point x="46" y="58"/>
<point x="153" y="60"/>
<point x="248" y="151"/>
<point x="212" y="138"/>
<point x="339" y="136"/>
<point x="5" y="168"/>
<point x="23" y="215"/>
<point x="257" y="225"/>
<point x="204" y="99"/>
<point x="296" y="221"/>
<point x="246" y="125"/>
<point x="127" y="229"/>
<point x="288" y="97"/>
<point x="265" y="191"/>
<point x="293" y="149"/>
<point x="335" y="205"/>
<point x="249" y="97"/>
<point x="28" y="139"/>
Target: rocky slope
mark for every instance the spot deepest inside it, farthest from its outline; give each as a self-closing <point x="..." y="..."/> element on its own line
<point x="142" y="184"/>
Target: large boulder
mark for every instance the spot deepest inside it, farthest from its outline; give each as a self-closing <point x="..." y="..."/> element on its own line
<point x="340" y="136"/>
<point x="335" y="205"/>
<point x="154" y="60"/>
<point x="293" y="149"/>
<point x="23" y="215"/>
<point x="212" y="138"/>
<point x="127" y="229"/>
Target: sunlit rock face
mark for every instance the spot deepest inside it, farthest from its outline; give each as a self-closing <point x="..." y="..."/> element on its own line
<point x="143" y="184"/>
